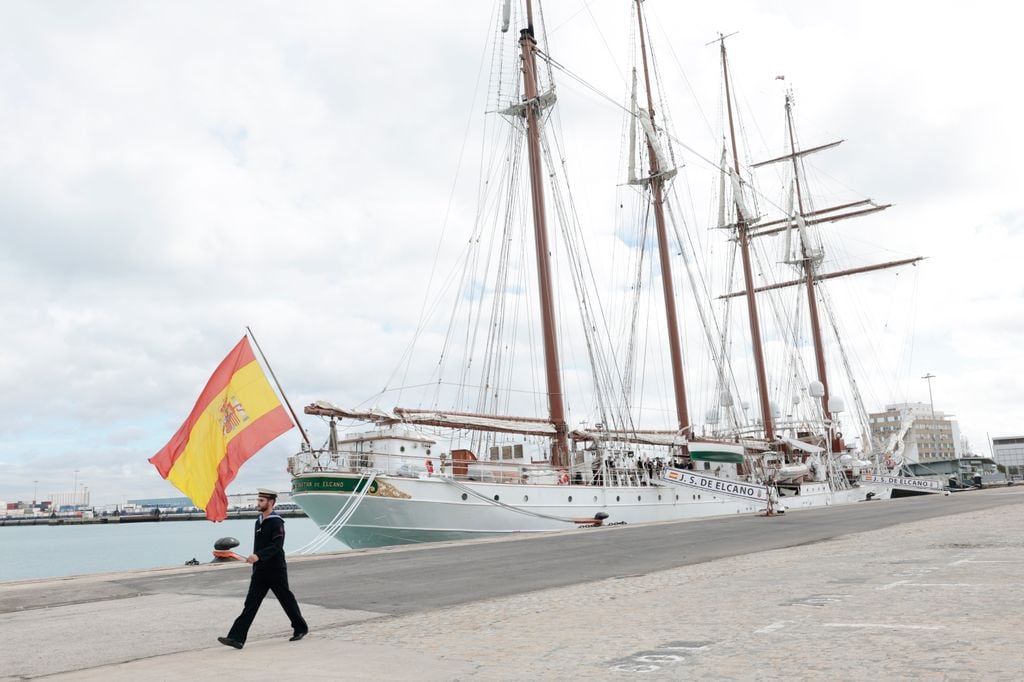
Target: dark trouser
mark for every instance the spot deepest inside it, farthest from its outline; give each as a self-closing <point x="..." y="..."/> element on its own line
<point x="275" y="580"/>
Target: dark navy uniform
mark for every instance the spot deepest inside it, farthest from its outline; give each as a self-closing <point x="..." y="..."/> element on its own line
<point x="270" y="573"/>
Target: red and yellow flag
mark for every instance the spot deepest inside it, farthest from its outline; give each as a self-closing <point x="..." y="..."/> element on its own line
<point x="236" y="415"/>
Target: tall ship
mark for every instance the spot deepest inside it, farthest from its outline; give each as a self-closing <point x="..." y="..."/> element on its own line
<point x="558" y="396"/>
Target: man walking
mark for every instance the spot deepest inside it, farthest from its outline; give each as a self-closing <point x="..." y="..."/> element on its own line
<point x="269" y="572"/>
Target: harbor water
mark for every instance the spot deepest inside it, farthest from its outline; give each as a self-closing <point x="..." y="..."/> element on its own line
<point x="30" y="552"/>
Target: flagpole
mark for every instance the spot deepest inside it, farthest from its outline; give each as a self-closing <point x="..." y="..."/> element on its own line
<point x="305" y="436"/>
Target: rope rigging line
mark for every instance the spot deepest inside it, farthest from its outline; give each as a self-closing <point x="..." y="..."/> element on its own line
<point x="634" y="311"/>
<point x="605" y="374"/>
<point x="699" y="286"/>
<point x="698" y="155"/>
<point x="860" y="409"/>
<point x="578" y="258"/>
<point x="427" y="310"/>
<point x="430" y="310"/>
<point x="491" y="369"/>
<point x="477" y="267"/>
<point x="798" y="375"/>
<point x="783" y="327"/>
<point x="689" y="86"/>
<point x="724" y="347"/>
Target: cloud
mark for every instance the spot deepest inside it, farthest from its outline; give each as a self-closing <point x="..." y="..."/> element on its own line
<point x="172" y="174"/>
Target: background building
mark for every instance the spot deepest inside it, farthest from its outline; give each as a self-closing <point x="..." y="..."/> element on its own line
<point x="913" y="433"/>
<point x="1009" y="452"/>
<point x="239" y="501"/>
<point x="163" y="503"/>
<point x="74" y="500"/>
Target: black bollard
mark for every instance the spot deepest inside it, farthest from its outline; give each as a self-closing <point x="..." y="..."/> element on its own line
<point x="222" y="550"/>
<point x="226" y="543"/>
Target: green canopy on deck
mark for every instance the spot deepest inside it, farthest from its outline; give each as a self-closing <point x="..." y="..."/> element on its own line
<point x="716" y="457"/>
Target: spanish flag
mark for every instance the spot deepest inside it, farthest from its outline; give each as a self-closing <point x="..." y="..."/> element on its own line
<point x="236" y="415"/>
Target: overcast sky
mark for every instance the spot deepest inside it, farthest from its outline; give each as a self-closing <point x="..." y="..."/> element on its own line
<point x="171" y="172"/>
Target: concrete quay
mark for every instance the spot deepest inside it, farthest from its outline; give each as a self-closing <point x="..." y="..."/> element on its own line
<point x="926" y="588"/>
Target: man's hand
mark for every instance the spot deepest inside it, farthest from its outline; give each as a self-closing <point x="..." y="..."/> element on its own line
<point x="252" y="558"/>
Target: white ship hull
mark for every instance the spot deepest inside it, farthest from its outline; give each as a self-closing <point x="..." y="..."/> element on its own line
<point x="400" y="510"/>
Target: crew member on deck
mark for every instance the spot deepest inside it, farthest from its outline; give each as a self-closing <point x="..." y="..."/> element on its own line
<point x="269" y="572"/>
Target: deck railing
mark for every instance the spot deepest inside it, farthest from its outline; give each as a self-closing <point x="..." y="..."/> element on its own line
<point x="486" y="470"/>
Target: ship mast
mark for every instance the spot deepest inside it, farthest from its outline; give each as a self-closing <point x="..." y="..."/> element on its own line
<point x="532" y="112"/>
<point x="808" y="265"/>
<point x="657" y="183"/>
<point x="742" y="231"/>
<point x="811" y="257"/>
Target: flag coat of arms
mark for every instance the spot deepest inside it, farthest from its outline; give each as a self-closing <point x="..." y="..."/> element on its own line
<point x="236" y="415"/>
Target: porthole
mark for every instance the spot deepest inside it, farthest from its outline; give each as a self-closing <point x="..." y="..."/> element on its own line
<point x="428" y="451"/>
<point x="401" y="448"/>
<point x="570" y="498"/>
<point x="495" y="498"/>
<point x="464" y="497"/>
<point x="637" y="498"/>
<point x="526" y="498"/>
<point x="659" y="498"/>
<point x="616" y="498"/>
<point x="595" y="498"/>
<point x="677" y="498"/>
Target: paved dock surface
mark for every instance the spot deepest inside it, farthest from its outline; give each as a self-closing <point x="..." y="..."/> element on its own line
<point x="920" y="588"/>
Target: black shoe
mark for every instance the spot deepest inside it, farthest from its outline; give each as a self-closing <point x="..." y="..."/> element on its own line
<point x="298" y="635"/>
<point x="227" y="641"/>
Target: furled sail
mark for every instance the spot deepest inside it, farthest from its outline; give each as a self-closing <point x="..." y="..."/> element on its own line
<point x="478" y="422"/>
<point x="323" y="408"/>
<point x="639" y="437"/>
<point x="804" y="446"/>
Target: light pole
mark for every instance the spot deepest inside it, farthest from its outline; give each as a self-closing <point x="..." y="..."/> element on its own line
<point x="74" y="497"/>
<point x="928" y="377"/>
